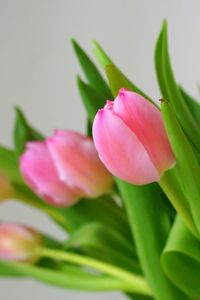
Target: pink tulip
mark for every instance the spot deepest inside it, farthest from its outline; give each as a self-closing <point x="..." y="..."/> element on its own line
<point x="78" y="164"/>
<point x="131" y="140"/>
<point x="40" y="174"/>
<point x="18" y="242"/>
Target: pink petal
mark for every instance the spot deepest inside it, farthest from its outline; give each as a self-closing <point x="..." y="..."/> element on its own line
<point x="39" y="172"/>
<point x="145" y="120"/>
<point x="121" y="151"/>
<point x="78" y="163"/>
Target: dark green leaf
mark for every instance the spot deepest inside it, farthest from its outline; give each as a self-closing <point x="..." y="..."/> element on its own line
<point x="91" y="72"/>
<point x="89" y="128"/>
<point x="23" y="132"/>
<point x="138" y="297"/>
<point x="92" y="100"/>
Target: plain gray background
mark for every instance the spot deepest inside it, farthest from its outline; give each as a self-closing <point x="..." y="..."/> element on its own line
<point x="38" y="69"/>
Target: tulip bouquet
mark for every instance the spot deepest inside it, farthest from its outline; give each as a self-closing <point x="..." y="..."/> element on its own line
<point x="126" y="193"/>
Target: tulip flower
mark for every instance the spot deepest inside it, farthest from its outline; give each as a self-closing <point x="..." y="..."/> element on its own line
<point x="78" y="164"/>
<point x="6" y="189"/>
<point x="131" y="140"/>
<point x="40" y="174"/>
<point x="19" y="243"/>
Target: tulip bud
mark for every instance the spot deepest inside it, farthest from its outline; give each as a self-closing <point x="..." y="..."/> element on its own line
<point x="78" y="164"/>
<point x="131" y="140"/>
<point x="19" y="243"/>
<point x="6" y="189"/>
<point x="40" y="174"/>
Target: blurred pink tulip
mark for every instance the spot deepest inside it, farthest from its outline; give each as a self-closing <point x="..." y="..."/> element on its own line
<point x="19" y="243"/>
<point x="131" y="140"/>
<point x="78" y="164"/>
<point x="40" y="174"/>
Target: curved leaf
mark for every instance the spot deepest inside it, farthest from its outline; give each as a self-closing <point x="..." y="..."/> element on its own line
<point x="181" y="260"/>
<point x="170" y="89"/>
<point x="187" y="164"/>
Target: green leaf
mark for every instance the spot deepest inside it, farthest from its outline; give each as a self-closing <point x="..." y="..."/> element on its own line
<point x="9" y="164"/>
<point x="170" y="90"/>
<point x="89" y="128"/>
<point x="150" y="226"/>
<point x="187" y="164"/>
<point x="23" y="132"/>
<point x="106" y="244"/>
<point x="181" y="260"/>
<point x="117" y="81"/>
<point x="102" y="210"/>
<point x="138" y="297"/>
<point x="91" y="72"/>
<point x="172" y="186"/>
<point x="116" y="78"/>
<point x="101" y="55"/>
<point x="192" y="104"/>
<point x="194" y="108"/>
<point x="92" y="100"/>
<point x="7" y="271"/>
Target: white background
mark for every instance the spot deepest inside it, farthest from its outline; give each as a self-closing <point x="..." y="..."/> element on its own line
<point x="38" y="69"/>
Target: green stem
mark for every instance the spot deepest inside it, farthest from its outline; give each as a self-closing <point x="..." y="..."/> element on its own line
<point x="170" y="185"/>
<point x="150" y="224"/>
<point x="137" y="283"/>
<point x="80" y="280"/>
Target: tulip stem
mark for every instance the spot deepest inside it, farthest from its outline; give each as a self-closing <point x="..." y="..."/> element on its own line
<point x="80" y="280"/>
<point x="170" y="185"/>
<point x="137" y="283"/>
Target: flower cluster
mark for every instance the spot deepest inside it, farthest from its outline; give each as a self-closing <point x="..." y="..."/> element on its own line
<point x="66" y="166"/>
<point x="126" y="194"/>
